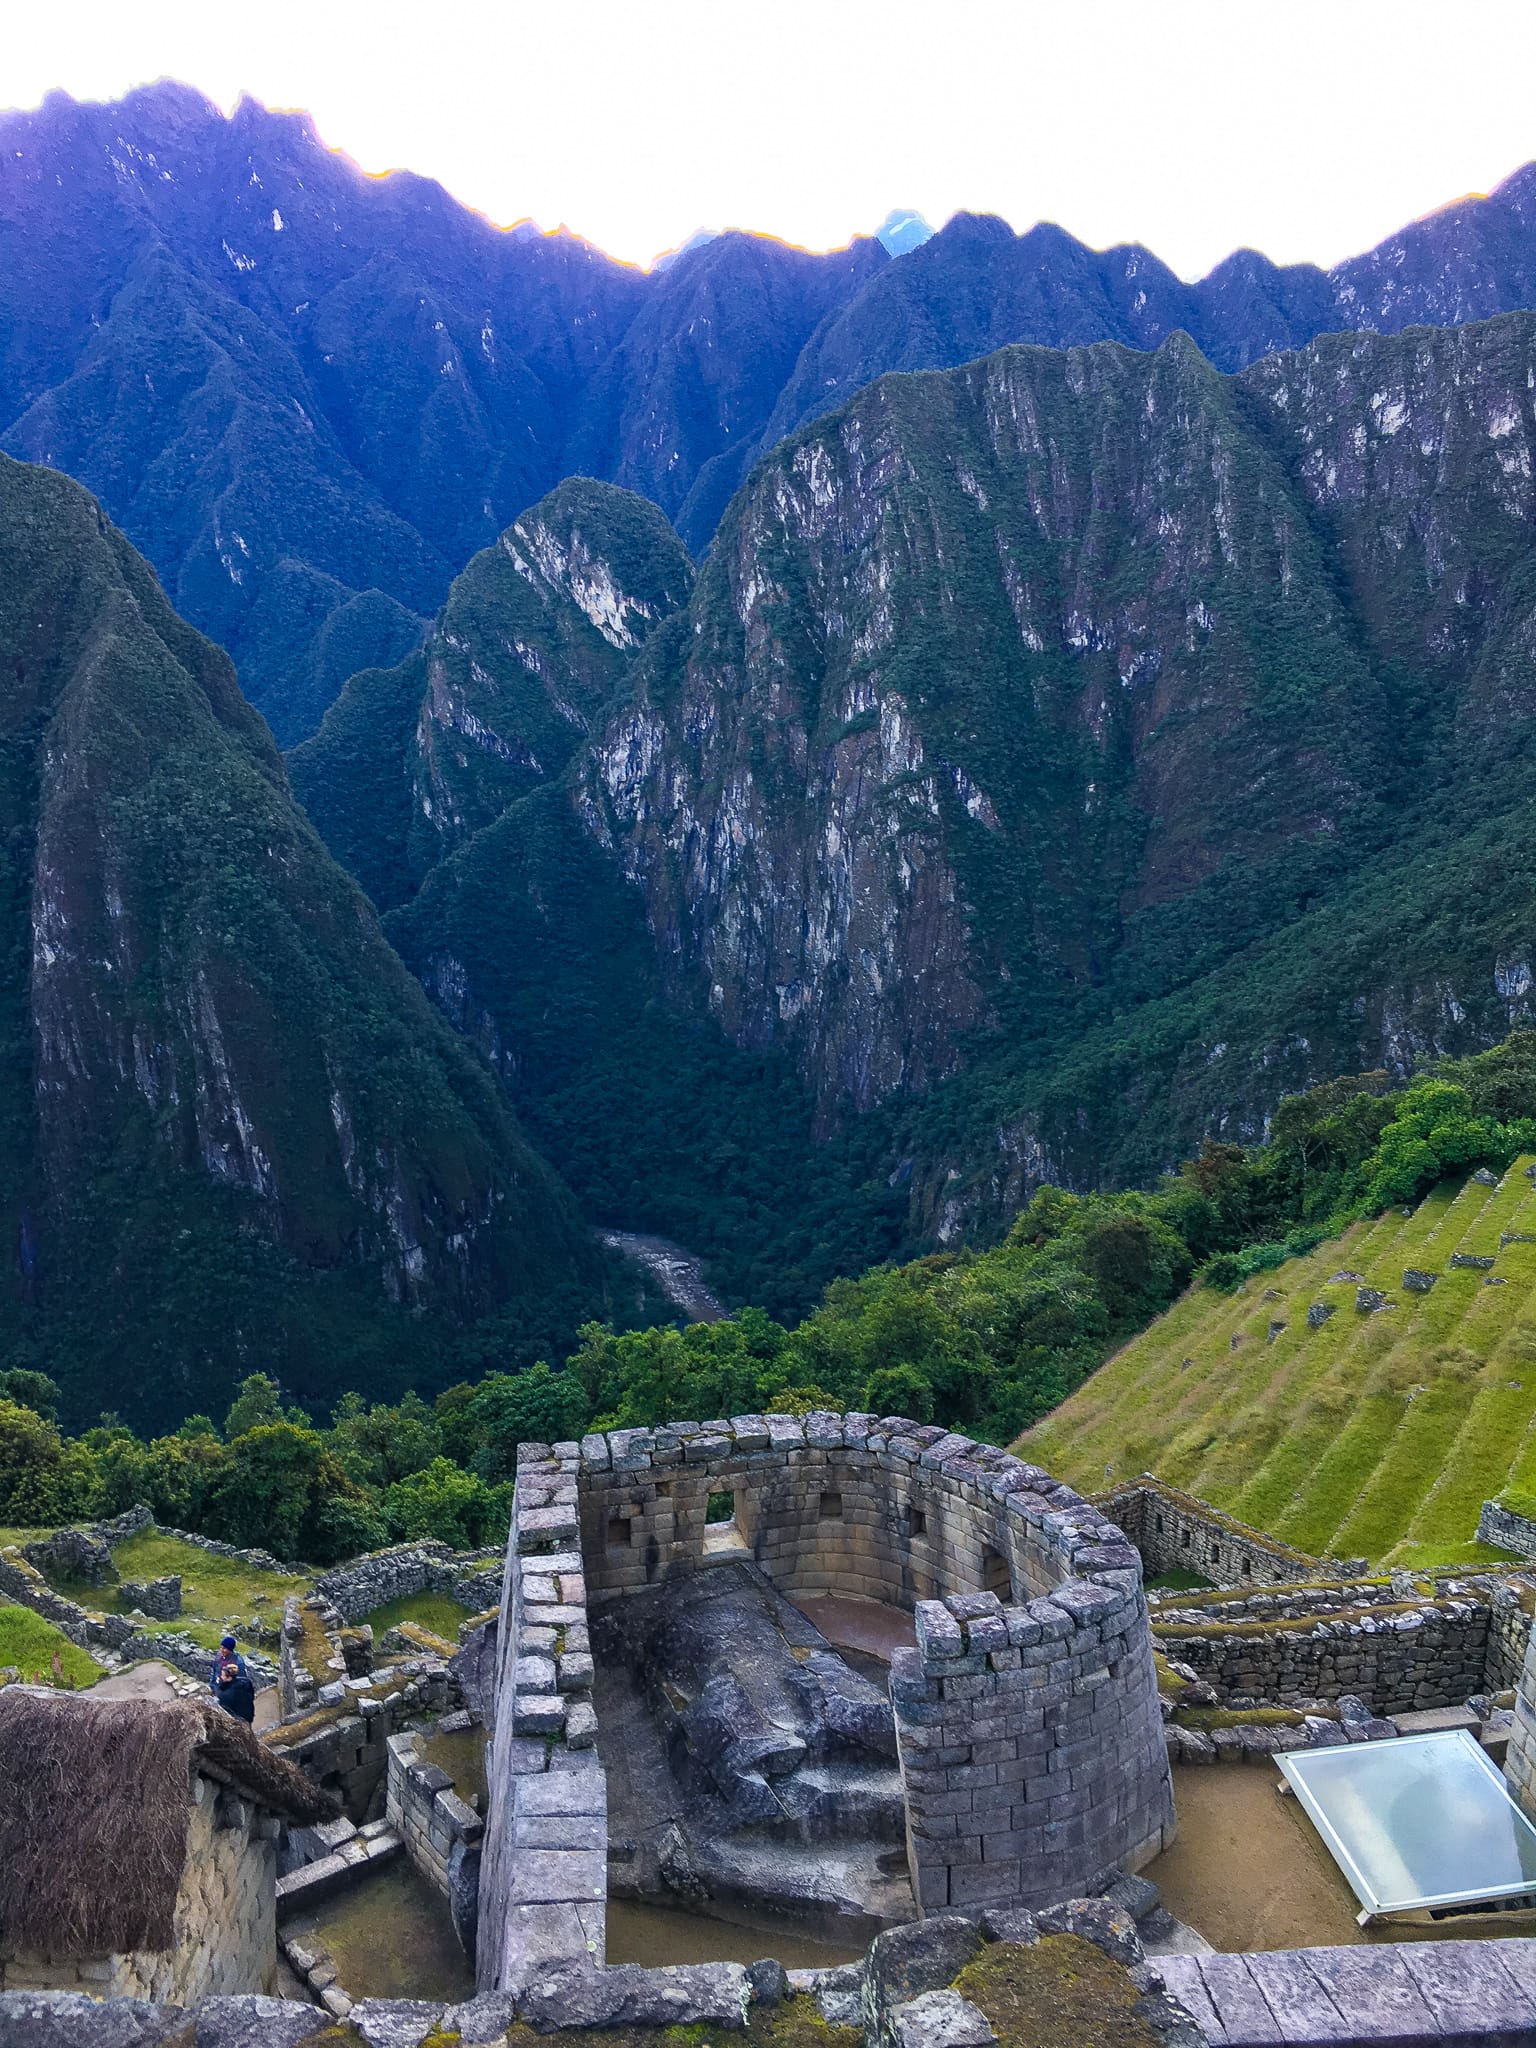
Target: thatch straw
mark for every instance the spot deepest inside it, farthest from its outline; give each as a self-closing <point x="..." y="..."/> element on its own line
<point x="95" y="1799"/>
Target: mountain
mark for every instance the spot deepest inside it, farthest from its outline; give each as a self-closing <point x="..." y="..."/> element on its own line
<point x="450" y="786"/>
<point x="309" y="396"/>
<point x="902" y="230"/>
<point x="234" y="1133"/>
<point x="1056" y="758"/>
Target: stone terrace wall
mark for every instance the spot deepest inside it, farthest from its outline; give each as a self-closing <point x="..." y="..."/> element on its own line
<point x="1174" y="1531"/>
<point x="1434" y="1653"/>
<point x="1509" y="1531"/>
<point x="1027" y="1719"/>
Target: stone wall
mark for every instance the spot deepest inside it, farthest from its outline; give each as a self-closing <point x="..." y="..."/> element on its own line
<point x="343" y="1745"/>
<point x="1505" y="1529"/>
<point x="356" y="1589"/>
<point x="1433" y="1653"/>
<point x="226" y="1917"/>
<point x="424" y="1809"/>
<point x="1174" y="1531"/>
<point x="1520" y="1757"/>
<point x="1027" y="1720"/>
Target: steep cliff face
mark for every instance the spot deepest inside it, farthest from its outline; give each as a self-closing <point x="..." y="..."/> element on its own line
<point x="214" y="1063"/>
<point x="516" y="675"/>
<point x="978" y="671"/>
<point x="1057" y="757"/>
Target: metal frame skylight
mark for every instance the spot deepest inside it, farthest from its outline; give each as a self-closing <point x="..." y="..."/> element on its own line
<point x="1390" y="1811"/>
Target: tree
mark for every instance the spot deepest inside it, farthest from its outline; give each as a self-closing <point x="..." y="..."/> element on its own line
<point x="32" y="1390"/>
<point x="269" y="1484"/>
<point x="43" y="1478"/>
<point x="899" y="1390"/>
<point x="259" y="1400"/>
<point x="536" y="1406"/>
<point x="457" y="1507"/>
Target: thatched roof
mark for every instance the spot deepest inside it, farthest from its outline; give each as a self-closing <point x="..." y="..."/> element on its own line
<point x="95" y="1799"/>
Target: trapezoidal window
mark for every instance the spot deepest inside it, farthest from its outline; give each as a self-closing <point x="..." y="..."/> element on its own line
<point x="723" y="1535"/>
<point x="917" y="1522"/>
<point x="831" y="1507"/>
<point x="619" y="1537"/>
<point x="995" y="1575"/>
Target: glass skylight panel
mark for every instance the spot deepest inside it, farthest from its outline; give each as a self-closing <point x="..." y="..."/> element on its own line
<point x="1415" y="1823"/>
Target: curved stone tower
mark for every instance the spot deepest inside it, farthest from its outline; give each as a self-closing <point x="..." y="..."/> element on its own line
<point x="1027" y="1717"/>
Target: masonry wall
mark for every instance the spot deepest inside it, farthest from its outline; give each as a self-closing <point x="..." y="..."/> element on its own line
<point x="226" y="1918"/>
<point x="1027" y="1720"/>
<point x="1509" y="1531"/>
<point x="1520" y="1758"/>
<point x="1436" y="1654"/>
<point x="345" y="1747"/>
<point x="356" y="1589"/>
<point x="426" y="1812"/>
<point x="1174" y="1531"/>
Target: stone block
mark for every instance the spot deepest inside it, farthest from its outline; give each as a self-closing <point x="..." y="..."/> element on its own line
<point x="941" y="2019"/>
<point x="558" y="1877"/>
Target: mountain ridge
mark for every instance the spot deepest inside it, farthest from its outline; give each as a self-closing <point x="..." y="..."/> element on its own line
<point x="309" y="396"/>
<point x="1057" y="759"/>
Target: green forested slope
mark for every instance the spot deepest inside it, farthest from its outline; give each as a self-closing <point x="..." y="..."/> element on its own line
<point x="232" y="1129"/>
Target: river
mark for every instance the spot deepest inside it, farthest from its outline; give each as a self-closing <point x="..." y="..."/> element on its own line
<point x="678" y="1274"/>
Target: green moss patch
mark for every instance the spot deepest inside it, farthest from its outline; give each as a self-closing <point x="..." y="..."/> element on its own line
<point x="1207" y="1718"/>
<point x="1060" y="1992"/>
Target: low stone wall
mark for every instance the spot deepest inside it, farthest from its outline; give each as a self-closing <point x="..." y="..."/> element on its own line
<point x="1174" y="1531"/>
<point x="1432" y="1654"/>
<point x="364" y="1584"/>
<point x="436" y="1825"/>
<point x="344" y="1745"/>
<point x="1505" y="1529"/>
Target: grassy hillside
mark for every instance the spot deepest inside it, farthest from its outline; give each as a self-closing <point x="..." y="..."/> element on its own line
<point x="1371" y="1435"/>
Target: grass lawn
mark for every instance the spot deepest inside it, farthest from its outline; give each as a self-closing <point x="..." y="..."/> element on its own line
<point x="1178" y="1582"/>
<point x="215" y="1591"/>
<point x="22" y="1536"/>
<point x="1362" y="1435"/>
<point x="28" y="1642"/>
<point x="439" y="1613"/>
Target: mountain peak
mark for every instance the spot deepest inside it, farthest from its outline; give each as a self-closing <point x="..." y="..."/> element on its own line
<point x="903" y="230"/>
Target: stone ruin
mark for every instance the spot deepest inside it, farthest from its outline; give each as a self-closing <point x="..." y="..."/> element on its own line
<point x="1017" y="1754"/>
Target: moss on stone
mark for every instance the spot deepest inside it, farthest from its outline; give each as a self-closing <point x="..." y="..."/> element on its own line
<point x="1207" y="1718"/>
<point x="1059" y="1992"/>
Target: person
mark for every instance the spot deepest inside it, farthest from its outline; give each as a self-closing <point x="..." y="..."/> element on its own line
<point x="231" y="1684"/>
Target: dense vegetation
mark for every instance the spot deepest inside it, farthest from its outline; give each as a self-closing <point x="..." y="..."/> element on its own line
<point x="987" y="1342"/>
<point x="232" y="1128"/>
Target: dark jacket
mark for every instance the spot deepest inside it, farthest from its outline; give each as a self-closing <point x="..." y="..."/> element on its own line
<point x="235" y="1695"/>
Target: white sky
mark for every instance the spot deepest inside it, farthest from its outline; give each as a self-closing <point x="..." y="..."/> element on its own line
<point x="1309" y="128"/>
